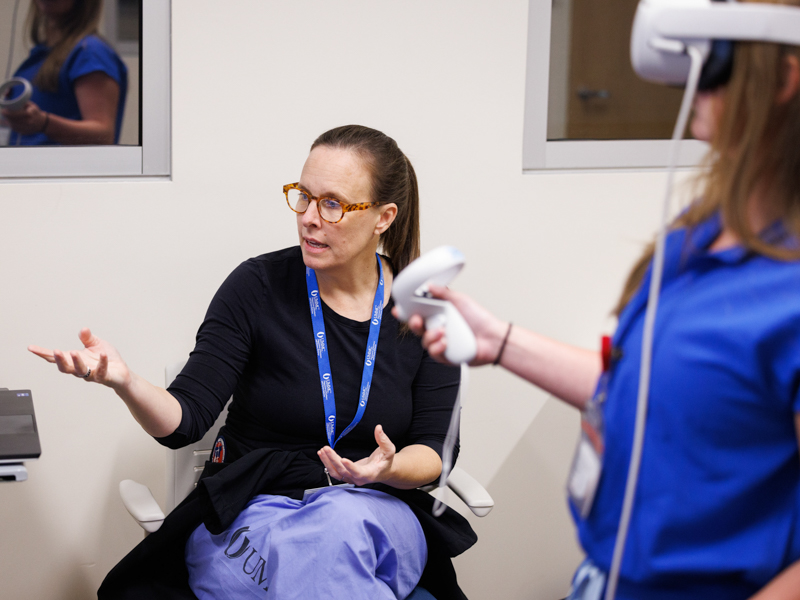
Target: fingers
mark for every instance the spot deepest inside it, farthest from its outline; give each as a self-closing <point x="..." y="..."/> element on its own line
<point x="64" y="365"/>
<point x="101" y="370"/>
<point x="435" y="343"/>
<point x="43" y="353"/>
<point x="441" y="292"/>
<point x="72" y="364"/>
<point x="87" y="339"/>
<point x="344" y="469"/>
<point x="416" y="324"/>
<point x="92" y="363"/>
<point x="384" y="443"/>
<point x="333" y="462"/>
<point x="26" y="120"/>
<point x="358" y="473"/>
<point x="80" y="368"/>
<point x="85" y="335"/>
<point x="367" y="470"/>
<point x="433" y="340"/>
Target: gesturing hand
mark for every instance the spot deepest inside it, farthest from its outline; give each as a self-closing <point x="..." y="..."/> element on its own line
<point x="375" y="468"/>
<point x="99" y="359"/>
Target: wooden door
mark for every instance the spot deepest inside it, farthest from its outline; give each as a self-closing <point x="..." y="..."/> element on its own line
<point x="607" y="100"/>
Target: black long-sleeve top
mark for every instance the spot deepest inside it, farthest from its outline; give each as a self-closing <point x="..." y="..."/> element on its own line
<point x="257" y="344"/>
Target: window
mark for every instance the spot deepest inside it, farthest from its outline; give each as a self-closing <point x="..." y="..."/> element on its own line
<point x="584" y="107"/>
<point x="149" y="154"/>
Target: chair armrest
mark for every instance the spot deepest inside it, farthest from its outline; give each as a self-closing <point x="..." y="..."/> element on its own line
<point x="140" y="503"/>
<point x="470" y="491"/>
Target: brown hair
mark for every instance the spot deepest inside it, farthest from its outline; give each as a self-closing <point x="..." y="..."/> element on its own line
<point x="754" y="149"/>
<point x="82" y="20"/>
<point x="393" y="181"/>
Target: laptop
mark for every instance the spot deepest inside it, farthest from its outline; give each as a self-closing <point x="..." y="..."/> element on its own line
<point x="19" y="436"/>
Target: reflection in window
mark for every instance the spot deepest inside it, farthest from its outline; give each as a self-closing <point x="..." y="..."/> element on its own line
<point x="84" y="72"/>
<point x="128" y="20"/>
<point x="594" y="93"/>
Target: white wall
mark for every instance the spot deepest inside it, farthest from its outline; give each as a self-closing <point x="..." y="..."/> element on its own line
<point x="254" y="83"/>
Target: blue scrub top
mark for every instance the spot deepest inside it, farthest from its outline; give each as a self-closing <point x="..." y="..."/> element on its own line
<point x="717" y="508"/>
<point x="90" y="55"/>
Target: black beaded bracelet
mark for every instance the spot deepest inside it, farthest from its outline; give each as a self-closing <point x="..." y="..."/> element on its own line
<point x="503" y="345"/>
<point x="46" y="122"/>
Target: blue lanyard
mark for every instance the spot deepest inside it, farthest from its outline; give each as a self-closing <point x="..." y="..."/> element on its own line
<point x="322" y="354"/>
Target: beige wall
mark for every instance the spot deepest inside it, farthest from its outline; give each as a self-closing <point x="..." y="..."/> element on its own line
<point x="253" y="83"/>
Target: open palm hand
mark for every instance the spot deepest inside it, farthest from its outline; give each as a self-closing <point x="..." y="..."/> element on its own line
<point x="97" y="361"/>
<point x="374" y="468"/>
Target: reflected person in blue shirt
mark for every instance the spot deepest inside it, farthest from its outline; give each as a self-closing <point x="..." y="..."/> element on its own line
<point x="79" y="81"/>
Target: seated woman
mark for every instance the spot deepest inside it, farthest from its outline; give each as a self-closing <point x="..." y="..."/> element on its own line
<point x="79" y="82"/>
<point x="322" y="377"/>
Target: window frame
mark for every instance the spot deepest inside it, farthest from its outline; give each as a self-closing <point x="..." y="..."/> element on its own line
<point x="153" y="158"/>
<point x="540" y="154"/>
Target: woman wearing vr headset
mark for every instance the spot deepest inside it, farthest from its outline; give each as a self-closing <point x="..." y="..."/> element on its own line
<point x="717" y="507"/>
<point x="285" y="332"/>
<point x="79" y="82"/>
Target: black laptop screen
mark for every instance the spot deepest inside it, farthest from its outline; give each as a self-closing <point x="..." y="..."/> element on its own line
<point x="16" y="424"/>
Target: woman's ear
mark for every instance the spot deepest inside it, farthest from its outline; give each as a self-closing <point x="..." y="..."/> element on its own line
<point x="388" y="214"/>
<point x="790" y="76"/>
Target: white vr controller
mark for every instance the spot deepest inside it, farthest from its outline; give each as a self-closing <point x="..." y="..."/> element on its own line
<point x="20" y="101"/>
<point x="410" y="293"/>
<point x="662" y="29"/>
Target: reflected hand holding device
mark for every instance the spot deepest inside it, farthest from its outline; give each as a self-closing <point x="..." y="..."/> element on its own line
<point x="13" y="103"/>
<point x="410" y="293"/>
<point x="16" y="102"/>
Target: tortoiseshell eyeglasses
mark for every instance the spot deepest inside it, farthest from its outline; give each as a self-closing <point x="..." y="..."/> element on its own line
<point x="330" y="209"/>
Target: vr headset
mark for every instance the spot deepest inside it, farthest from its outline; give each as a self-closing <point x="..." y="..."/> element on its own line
<point x="663" y="28"/>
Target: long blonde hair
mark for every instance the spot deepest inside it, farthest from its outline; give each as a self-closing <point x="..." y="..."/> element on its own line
<point x="756" y="146"/>
<point x="82" y="20"/>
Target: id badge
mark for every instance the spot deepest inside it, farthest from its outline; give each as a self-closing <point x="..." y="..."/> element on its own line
<point x="587" y="465"/>
<point x="310" y="492"/>
<point x="588" y="583"/>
